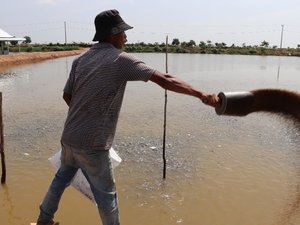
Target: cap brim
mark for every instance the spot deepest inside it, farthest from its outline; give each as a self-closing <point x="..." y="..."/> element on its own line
<point x="120" y="28"/>
<point x="101" y="35"/>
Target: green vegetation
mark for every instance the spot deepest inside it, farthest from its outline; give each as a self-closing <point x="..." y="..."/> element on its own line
<point x="46" y="47"/>
<point x="212" y="48"/>
<point x="203" y="47"/>
<point x="27" y="40"/>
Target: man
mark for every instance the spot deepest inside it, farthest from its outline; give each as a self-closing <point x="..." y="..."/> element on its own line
<point x="94" y="93"/>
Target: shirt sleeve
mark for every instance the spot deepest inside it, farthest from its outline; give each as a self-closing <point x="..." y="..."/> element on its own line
<point x="133" y="69"/>
<point x="70" y="82"/>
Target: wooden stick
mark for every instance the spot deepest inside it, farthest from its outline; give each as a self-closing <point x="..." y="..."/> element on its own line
<point x="3" y="176"/>
<point x="165" y="118"/>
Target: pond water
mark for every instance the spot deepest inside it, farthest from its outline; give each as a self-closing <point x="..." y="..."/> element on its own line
<point x="220" y="170"/>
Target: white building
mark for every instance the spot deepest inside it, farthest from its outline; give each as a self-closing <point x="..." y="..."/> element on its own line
<point x="6" y="37"/>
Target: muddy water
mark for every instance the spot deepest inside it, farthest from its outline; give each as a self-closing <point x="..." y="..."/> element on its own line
<point x="221" y="170"/>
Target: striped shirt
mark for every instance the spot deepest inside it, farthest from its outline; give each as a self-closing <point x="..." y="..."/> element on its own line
<point x="97" y="83"/>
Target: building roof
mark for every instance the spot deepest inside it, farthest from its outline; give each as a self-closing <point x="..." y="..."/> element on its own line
<point x="12" y="39"/>
<point x="4" y="36"/>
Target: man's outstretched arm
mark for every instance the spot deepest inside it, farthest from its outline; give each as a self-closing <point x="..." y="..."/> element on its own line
<point x="174" y="84"/>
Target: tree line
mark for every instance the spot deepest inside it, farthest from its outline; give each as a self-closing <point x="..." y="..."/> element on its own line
<point x="208" y="47"/>
<point x="203" y="47"/>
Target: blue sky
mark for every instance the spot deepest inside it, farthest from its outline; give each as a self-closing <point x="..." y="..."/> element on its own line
<point x="230" y="21"/>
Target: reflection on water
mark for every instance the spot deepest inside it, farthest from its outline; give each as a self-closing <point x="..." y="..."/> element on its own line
<point x="220" y="170"/>
<point x="13" y="217"/>
<point x="278" y="73"/>
<point x="4" y="75"/>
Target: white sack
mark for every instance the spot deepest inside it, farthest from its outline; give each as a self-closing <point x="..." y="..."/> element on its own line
<point x="79" y="181"/>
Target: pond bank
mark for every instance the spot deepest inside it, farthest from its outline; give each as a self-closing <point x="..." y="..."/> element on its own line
<point x="14" y="59"/>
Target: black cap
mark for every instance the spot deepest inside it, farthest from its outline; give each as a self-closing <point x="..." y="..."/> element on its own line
<point x="109" y="23"/>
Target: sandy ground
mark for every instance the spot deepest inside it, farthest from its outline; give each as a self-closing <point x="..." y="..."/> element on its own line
<point x="14" y="59"/>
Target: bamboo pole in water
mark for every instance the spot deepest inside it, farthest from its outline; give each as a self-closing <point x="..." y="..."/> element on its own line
<point x="165" y="117"/>
<point x="3" y="176"/>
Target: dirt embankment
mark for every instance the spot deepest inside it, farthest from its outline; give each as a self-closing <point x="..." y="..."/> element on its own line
<point x="33" y="57"/>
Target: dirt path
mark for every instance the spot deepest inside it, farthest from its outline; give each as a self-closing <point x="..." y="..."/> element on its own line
<point x="33" y="57"/>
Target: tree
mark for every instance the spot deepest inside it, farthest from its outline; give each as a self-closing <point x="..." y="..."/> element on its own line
<point x="220" y="45"/>
<point x="191" y="43"/>
<point x="264" y="44"/>
<point x="176" y="41"/>
<point x="202" y="44"/>
<point x="298" y="46"/>
<point x="27" y="40"/>
<point x="209" y="43"/>
<point x="224" y="45"/>
<point x="184" y="44"/>
<point x="142" y="44"/>
<point x="163" y="44"/>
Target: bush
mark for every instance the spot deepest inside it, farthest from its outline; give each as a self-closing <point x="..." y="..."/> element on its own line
<point x="45" y="48"/>
<point x="181" y="50"/>
<point x="29" y="49"/>
<point x="57" y="48"/>
<point x="70" y="48"/>
<point x="215" y="51"/>
<point x="157" y="49"/>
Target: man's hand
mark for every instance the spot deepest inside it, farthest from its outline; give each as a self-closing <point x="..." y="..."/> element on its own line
<point x="211" y="99"/>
